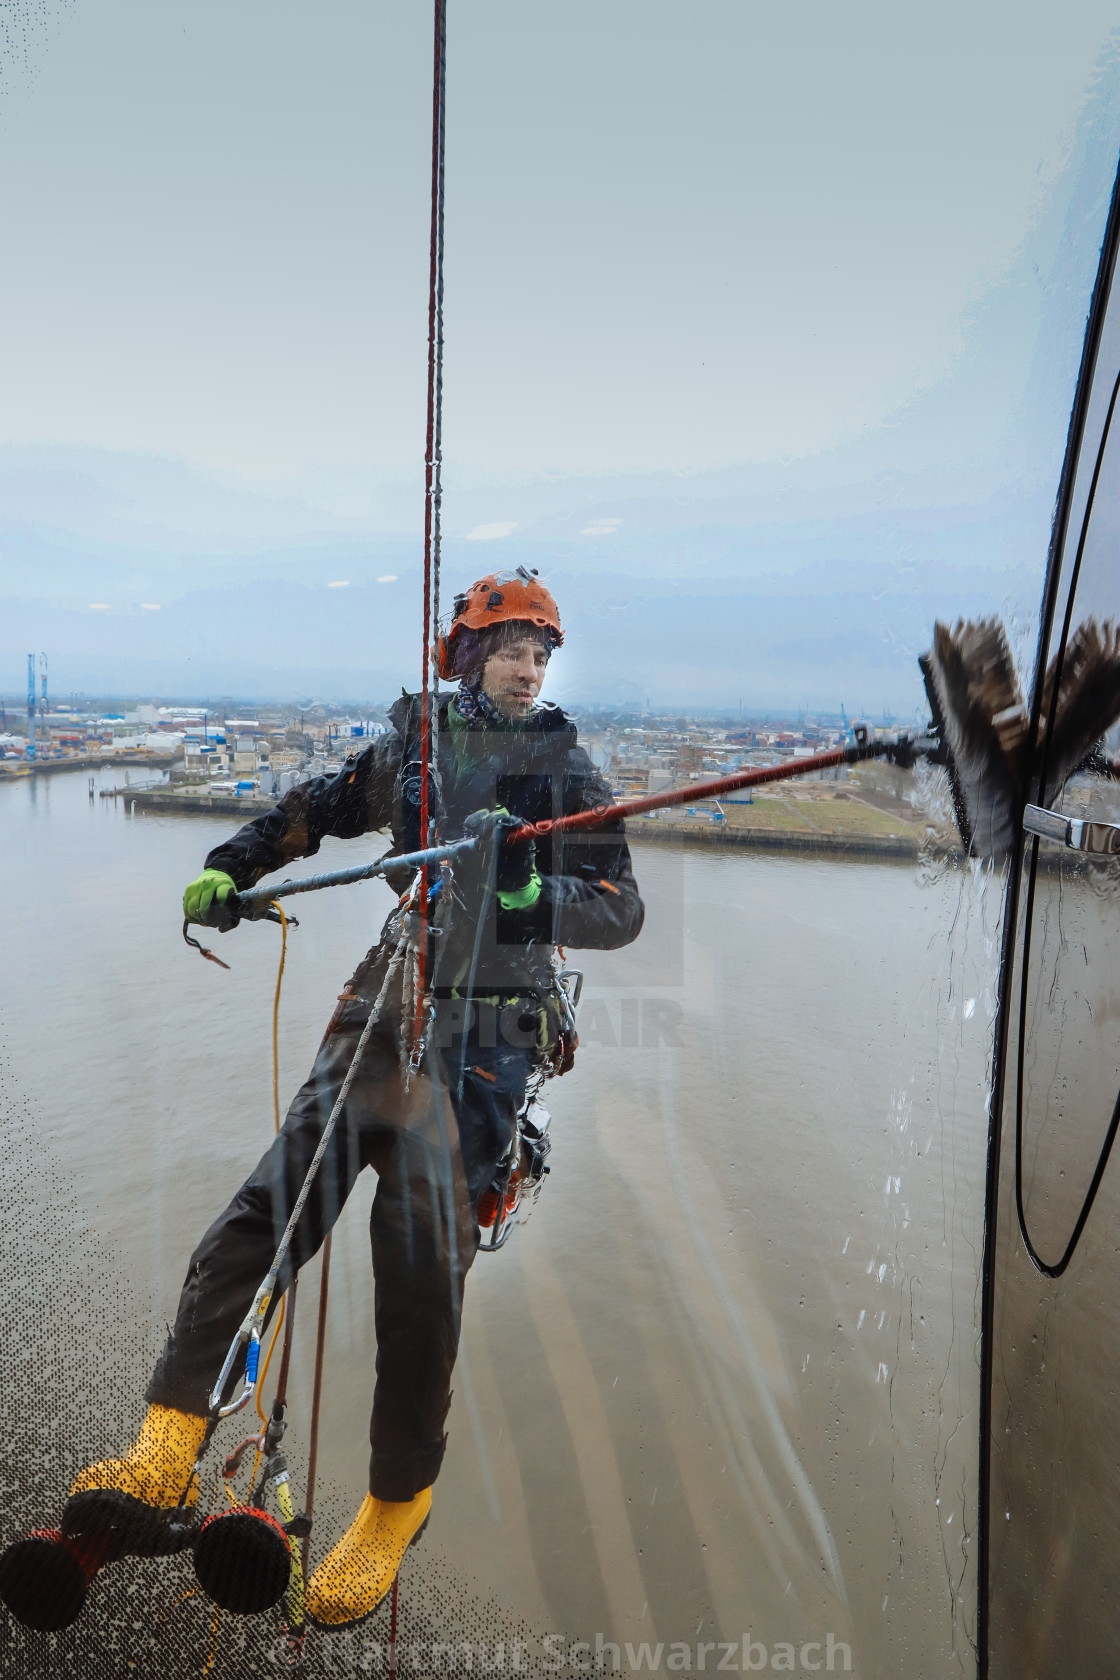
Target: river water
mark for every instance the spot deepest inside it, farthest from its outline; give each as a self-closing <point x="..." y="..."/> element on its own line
<point x="722" y="1388"/>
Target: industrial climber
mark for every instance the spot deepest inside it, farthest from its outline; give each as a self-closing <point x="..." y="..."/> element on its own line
<point x="434" y="1137"/>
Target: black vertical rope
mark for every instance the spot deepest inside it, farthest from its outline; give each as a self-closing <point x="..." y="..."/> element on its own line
<point x="434" y="430"/>
<point x="432" y="445"/>
<point x="1063" y="505"/>
<point x="437" y="440"/>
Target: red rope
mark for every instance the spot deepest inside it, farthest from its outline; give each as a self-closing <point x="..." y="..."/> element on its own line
<point x="317" y="1392"/>
<point x="430" y="479"/>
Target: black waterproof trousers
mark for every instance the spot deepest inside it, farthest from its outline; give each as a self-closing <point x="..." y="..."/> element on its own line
<point x="435" y="1148"/>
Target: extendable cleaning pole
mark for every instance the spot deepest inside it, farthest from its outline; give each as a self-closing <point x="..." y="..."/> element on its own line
<point x="907" y="745"/>
<point x="727" y="784"/>
<point x="360" y="872"/>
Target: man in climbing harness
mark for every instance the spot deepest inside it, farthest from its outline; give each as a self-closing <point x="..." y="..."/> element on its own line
<point x="433" y="1117"/>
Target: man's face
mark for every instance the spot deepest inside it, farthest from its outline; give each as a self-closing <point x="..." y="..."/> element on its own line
<point x="512" y="677"/>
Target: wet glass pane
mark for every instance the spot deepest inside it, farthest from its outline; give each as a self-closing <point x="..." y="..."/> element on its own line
<point x="1052" y="1465"/>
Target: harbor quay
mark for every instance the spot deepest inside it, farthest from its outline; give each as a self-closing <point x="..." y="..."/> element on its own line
<point x="207" y="760"/>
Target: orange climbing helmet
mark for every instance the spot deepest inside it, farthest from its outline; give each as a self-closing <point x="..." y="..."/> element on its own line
<point x="500" y="598"/>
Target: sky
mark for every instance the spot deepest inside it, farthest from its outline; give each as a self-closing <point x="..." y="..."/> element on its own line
<point x="762" y="325"/>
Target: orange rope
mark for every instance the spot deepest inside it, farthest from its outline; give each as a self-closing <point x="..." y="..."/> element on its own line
<point x="214" y="1644"/>
<point x="267" y="1359"/>
<point x="276" y="1119"/>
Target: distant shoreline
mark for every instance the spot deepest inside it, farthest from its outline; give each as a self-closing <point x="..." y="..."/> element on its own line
<point x="718" y="837"/>
<point x="197" y="802"/>
<point x="710" y="837"/>
<point x="713" y="837"/>
<point x="22" y="770"/>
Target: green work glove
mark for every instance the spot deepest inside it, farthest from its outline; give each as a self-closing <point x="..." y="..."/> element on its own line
<point x="212" y="900"/>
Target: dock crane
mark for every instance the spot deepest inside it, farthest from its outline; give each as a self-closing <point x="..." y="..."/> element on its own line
<point x="31" y="705"/>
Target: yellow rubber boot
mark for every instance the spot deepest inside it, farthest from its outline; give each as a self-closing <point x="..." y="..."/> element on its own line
<point x="352" y="1580"/>
<point x="157" y="1467"/>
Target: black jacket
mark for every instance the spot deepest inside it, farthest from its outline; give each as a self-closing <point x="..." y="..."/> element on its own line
<point x="589" y="897"/>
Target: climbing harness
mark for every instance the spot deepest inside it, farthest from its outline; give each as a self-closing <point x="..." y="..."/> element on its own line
<point x="522" y="1170"/>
